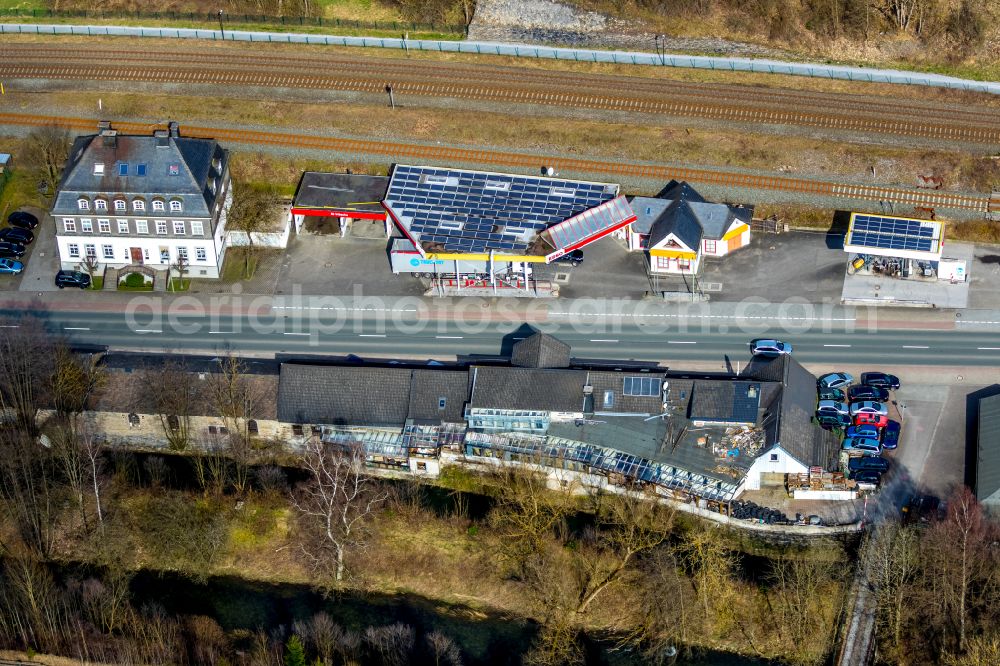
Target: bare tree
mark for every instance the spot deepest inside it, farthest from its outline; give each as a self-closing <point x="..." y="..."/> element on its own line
<point x="25" y="368"/>
<point x="443" y="650"/>
<point x="45" y="151"/>
<point x="253" y="211"/>
<point x="74" y="380"/>
<point x="29" y="489"/>
<point x="91" y="267"/>
<point x="176" y="398"/>
<point x="893" y="562"/>
<point x="239" y="400"/>
<point x="391" y="644"/>
<point x="335" y="506"/>
<point x="181" y="267"/>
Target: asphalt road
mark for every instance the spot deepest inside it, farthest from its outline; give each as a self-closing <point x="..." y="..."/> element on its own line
<point x="404" y="334"/>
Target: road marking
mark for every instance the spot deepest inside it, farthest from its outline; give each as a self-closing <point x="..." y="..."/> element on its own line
<point x="681" y="342"/>
<point x="988" y="348"/>
<point x="221" y="332"/>
<point x="75" y="328"/>
<point x="147" y="330"/>
<point x="448" y="337"/>
<point x="289" y="333"/>
<point x="836" y="345"/>
<point x="915" y="347"/>
<point x="603" y="340"/>
<point x="10" y="326"/>
<point x="371" y="335"/>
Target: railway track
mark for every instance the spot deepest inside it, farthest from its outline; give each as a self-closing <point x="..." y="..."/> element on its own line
<point x="740" y="104"/>
<point x="413" y="152"/>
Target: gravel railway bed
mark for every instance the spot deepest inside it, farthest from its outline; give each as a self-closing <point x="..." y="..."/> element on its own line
<point x="401" y="151"/>
<point x="731" y="103"/>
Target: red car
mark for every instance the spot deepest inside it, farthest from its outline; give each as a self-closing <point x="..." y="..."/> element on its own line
<point x="877" y="420"/>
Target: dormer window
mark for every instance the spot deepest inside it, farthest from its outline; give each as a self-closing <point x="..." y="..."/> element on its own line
<point x="120" y="204"/>
<point x="173" y="169"/>
<point x="217" y="164"/>
<point x="138" y="204"/>
<point x="100" y="204"/>
<point x="140" y="169"/>
<point x="83" y="204"/>
<point x="175" y="206"/>
<point x="123" y="168"/>
<point x="98" y="168"/>
<point x="157" y="204"/>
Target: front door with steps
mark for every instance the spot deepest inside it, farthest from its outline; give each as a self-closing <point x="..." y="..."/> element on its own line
<point x="136" y="255"/>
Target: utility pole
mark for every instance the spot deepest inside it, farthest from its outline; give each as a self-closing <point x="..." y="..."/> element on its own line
<point x="392" y="102"/>
<point x="221" y="29"/>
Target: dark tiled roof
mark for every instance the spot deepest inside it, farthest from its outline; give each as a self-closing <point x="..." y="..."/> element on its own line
<point x="604" y="381"/>
<point x="680" y="190"/>
<point x="192" y="157"/>
<point x="527" y="388"/>
<point x="723" y="401"/>
<point x="678" y="219"/>
<point x="343" y="395"/>
<point x="540" y="351"/>
<point x="988" y="459"/>
<point x="429" y="387"/>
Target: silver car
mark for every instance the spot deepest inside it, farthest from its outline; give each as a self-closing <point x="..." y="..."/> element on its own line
<point x="869" y="407"/>
<point x="831" y="407"/>
<point x="835" y="380"/>
<point x="769" y="348"/>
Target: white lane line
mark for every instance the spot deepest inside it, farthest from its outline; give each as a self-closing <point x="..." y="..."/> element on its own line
<point x="988" y="348"/>
<point x="10" y="326"/>
<point x="836" y="345"/>
<point x="221" y="332"/>
<point x="603" y="340"/>
<point x="75" y="328"/>
<point x="681" y="342"/>
<point x="147" y="330"/>
<point x="915" y="347"/>
<point x="289" y="333"/>
<point x="448" y="337"/>
<point x="371" y="335"/>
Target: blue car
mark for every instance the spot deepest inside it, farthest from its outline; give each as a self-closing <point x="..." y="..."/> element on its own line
<point x="10" y="266"/>
<point x="890" y="435"/>
<point x="868" y="431"/>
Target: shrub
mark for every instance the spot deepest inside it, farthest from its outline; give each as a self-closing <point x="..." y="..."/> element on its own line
<point x="135" y="280"/>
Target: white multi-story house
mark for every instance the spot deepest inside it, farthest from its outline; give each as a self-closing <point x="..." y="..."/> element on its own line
<point x="148" y="201"/>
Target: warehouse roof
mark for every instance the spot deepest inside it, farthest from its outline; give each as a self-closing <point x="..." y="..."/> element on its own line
<point x="988" y="451"/>
<point x="321" y="192"/>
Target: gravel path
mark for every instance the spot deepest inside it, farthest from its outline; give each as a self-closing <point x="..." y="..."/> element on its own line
<point x="550" y="22"/>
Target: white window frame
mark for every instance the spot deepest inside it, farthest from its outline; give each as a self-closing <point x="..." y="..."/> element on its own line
<point x="69" y="225"/>
<point x="175" y="206"/>
<point x="200" y="254"/>
<point x="74" y="250"/>
<point x="161" y="227"/>
<point x="179" y="229"/>
<point x="182" y="253"/>
<point x="90" y="250"/>
<point x="100" y="204"/>
<point x="87" y="226"/>
<point x="197" y="228"/>
<point x="138" y="204"/>
<point x="142" y="226"/>
<point x="108" y="251"/>
<point x="123" y="226"/>
<point x="98" y="168"/>
<point x="104" y="226"/>
<point x="121" y="205"/>
<point x="157" y="205"/>
<point x="83" y="204"/>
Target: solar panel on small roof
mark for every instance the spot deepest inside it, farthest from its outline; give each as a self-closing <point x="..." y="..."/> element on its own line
<point x="880" y="232"/>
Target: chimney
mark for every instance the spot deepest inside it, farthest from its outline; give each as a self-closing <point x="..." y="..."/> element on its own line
<point x="175" y="131"/>
<point x="103" y="125"/>
<point x="108" y="135"/>
<point x="162" y="138"/>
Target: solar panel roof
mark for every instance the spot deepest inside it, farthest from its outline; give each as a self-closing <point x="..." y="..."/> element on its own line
<point x="885" y="235"/>
<point x="457" y="210"/>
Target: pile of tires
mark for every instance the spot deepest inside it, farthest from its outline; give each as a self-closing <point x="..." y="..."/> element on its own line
<point x="757" y="513"/>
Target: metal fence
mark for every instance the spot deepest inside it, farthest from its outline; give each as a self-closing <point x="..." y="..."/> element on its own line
<point x="763" y="66"/>
<point x="235" y="18"/>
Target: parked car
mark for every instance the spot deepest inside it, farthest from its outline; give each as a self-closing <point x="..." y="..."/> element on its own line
<point x="863" y="445"/>
<point x="876" y="463"/>
<point x="21" y="219"/>
<point x="574" y="258"/>
<point x="868" y="407"/>
<point x="862" y="431"/>
<point x="72" y="279"/>
<point x="8" y="249"/>
<point x="863" y="392"/>
<point x="832" y="394"/>
<point x="890" y="435"/>
<point x="835" y="380"/>
<point x="769" y="348"/>
<point x="10" y="266"/>
<point x="835" y="420"/>
<point x="868" y="476"/>
<point x="831" y="408"/>
<point x="881" y="380"/>
<point x="877" y="420"/>
<point x="16" y="235"/>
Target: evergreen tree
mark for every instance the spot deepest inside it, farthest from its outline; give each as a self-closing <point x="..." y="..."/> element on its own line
<point x="295" y="653"/>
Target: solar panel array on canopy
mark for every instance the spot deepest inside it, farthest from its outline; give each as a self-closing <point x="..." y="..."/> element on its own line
<point x="475" y="211"/>
<point x="893" y="233"/>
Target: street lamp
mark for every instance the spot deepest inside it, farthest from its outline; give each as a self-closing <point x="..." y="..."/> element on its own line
<point x="221" y="29"/>
<point x="656" y="41"/>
